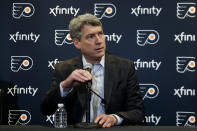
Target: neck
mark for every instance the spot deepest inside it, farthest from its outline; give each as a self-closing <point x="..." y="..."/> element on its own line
<point x="93" y="61"/>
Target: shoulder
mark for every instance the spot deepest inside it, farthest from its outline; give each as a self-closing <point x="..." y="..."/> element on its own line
<point x="70" y="63"/>
<point x="119" y="60"/>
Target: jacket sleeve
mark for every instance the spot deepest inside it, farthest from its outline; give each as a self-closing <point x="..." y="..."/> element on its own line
<point x="52" y="96"/>
<point x="134" y="113"/>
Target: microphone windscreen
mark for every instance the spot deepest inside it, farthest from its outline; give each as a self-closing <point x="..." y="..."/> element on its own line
<point x="88" y="67"/>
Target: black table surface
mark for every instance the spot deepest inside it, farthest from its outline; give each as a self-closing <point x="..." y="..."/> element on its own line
<point x="115" y="128"/>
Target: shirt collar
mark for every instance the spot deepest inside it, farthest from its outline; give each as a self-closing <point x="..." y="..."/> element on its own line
<point x="102" y="62"/>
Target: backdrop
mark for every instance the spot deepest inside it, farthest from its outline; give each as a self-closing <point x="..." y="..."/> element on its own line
<point x="159" y="36"/>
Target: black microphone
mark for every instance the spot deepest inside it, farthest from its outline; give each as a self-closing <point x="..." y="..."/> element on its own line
<point x="88" y="67"/>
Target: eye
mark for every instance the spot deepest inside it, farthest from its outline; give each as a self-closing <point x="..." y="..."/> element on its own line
<point x="100" y="33"/>
<point x="90" y="36"/>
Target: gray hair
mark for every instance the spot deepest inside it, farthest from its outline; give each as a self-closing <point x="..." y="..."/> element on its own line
<point x="76" y="24"/>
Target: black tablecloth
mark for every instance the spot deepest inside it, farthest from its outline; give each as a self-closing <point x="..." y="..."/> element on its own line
<point x="115" y="128"/>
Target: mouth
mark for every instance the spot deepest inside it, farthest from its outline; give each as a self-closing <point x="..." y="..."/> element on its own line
<point x="99" y="49"/>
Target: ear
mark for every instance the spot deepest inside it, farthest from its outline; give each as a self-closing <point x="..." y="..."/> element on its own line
<point x="77" y="43"/>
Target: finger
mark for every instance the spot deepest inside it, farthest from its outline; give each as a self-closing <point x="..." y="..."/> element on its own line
<point x="109" y="125"/>
<point x="103" y="120"/>
<point x="98" y="118"/>
<point x="85" y="74"/>
<point x="106" y="125"/>
<point x="79" y="76"/>
<point x="107" y="122"/>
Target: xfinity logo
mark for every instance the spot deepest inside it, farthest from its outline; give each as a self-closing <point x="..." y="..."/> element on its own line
<point x="24" y="37"/>
<point x="64" y="11"/>
<point x="147" y="64"/>
<point x="183" y="37"/>
<point x="21" y="90"/>
<point x="50" y="118"/>
<point x="145" y="11"/>
<point x="114" y="37"/>
<point x="184" y="92"/>
<point x="51" y="64"/>
<point x="153" y="119"/>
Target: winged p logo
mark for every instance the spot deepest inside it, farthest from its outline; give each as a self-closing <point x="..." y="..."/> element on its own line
<point x="147" y="37"/>
<point x="21" y="63"/>
<point x="186" y="10"/>
<point x="18" y="117"/>
<point x="62" y="37"/>
<point x="107" y="10"/>
<point x="184" y="118"/>
<point x="22" y="10"/>
<point x="149" y="90"/>
<point x="184" y="63"/>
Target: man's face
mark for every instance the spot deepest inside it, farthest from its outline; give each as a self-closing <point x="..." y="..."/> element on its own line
<point x="92" y="43"/>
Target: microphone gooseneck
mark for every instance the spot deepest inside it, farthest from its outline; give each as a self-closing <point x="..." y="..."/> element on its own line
<point x="88" y="67"/>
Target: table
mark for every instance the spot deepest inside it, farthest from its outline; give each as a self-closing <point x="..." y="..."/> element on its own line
<point x="115" y="128"/>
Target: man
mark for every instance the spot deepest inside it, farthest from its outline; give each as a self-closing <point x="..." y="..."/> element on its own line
<point x="113" y="78"/>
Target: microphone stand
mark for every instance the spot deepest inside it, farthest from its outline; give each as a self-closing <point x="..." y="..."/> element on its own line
<point x="88" y="124"/>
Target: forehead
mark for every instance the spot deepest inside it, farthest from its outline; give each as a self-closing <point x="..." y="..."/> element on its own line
<point x="89" y="29"/>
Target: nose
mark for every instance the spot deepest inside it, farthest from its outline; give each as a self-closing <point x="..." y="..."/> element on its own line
<point x="98" y="39"/>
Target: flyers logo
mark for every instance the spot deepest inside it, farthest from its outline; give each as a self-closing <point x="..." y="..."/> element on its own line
<point x="18" y="117"/>
<point x="186" y="10"/>
<point x="21" y="63"/>
<point x="149" y="90"/>
<point x="22" y="10"/>
<point x="184" y="64"/>
<point x="185" y="118"/>
<point x="62" y="37"/>
<point x="147" y="37"/>
<point x="107" y="10"/>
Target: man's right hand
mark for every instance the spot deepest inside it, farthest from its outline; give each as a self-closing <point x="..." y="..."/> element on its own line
<point x="75" y="78"/>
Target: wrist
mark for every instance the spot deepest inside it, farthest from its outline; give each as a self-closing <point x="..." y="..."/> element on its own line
<point x="64" y="86"/>
<point x="115" y="119"/>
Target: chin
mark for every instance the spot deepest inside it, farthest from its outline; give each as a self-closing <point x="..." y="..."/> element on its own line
<point x="101" y="54"/>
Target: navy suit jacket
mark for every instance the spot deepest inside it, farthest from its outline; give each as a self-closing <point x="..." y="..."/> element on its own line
<point x="121" y="91"/>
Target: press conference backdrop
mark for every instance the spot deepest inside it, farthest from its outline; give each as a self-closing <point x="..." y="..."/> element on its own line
<point x="159" y="36"/>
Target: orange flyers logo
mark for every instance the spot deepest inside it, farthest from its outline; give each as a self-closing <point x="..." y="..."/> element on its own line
<point x="107" y="10"/>
<point x="184" y="63"/>
<point x="150" y="91"/>
<point x="147" y="37"/>
<point x="21" y="63"/>
<point x="22" y="10"/>
<point x="184" y="118"/>
<point x="62" y="37"/>
<point x="18" y="117"/>
<point x="186" y="10"/>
